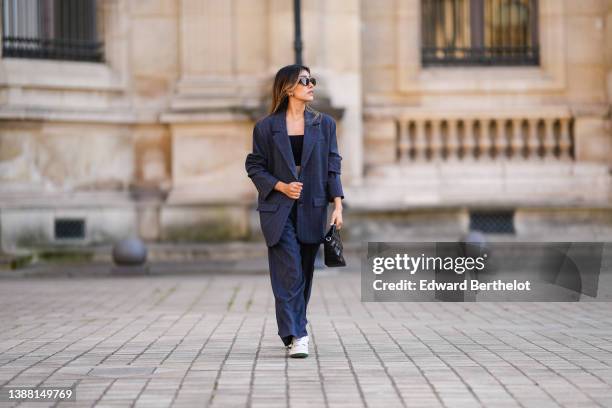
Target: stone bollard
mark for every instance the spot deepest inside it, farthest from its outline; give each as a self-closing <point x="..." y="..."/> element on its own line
<point x="474" y="244"/>
<point x="130" y="256"/>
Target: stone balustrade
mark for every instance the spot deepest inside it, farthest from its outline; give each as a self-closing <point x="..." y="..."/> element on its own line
<point x="484" y="138"/>
<point x="421" y="138"/>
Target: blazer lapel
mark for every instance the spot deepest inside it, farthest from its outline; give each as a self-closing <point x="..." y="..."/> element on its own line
<point x="311" y="131"/>
<point x="281" y="138"/>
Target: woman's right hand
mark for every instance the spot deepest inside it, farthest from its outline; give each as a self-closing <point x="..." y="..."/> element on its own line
<point x="291" y="190"/>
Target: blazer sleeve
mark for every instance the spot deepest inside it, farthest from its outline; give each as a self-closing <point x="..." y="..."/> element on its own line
<point x="334" y="184"/>
<point x="256" y="165"/>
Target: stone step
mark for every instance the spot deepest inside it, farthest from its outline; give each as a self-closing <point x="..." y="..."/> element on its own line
<point x="235" y="252"/>
<point x="13" y="261"/>
<point x="483" y="184"/>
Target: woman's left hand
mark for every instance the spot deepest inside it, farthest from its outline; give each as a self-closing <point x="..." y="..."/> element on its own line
<point x="336" y="218"/>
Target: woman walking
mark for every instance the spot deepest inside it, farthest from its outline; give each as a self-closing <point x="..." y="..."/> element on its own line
<point x="295" y="166"/>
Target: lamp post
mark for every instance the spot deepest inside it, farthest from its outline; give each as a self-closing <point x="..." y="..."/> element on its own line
<point x="297" y="44"/>
<point x="297" y="47"/>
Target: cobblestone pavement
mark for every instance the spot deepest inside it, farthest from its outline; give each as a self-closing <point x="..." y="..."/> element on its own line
<point x="211" y="340"/>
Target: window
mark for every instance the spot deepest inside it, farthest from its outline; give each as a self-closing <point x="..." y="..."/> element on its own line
<point x="479" y="32"/>
<point x="67" y="228"/>
<point x="493" y="222"/>
<point x="51" y="29"/>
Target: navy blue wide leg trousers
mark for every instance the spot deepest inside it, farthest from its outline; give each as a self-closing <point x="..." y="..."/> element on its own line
<point x="291" y="269"/>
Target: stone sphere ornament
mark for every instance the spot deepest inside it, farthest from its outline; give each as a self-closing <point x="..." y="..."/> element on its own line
<point x="130" y="251"/>
<point x="129" y="255"/>
<point x="475" y="243"/>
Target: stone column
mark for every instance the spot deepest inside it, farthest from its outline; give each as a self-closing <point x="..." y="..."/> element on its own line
<point x="222" y="66"/>
<point x="608" y="51"/>
<point x="332" y="50"/>
<point x="587" y="74"/>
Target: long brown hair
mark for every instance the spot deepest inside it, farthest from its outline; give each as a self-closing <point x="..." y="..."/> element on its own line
<point x="285" y="79"/>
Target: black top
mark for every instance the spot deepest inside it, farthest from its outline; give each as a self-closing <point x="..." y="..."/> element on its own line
<point x="297" y="141"/>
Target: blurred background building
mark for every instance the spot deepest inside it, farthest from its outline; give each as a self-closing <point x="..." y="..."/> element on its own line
<point x="134" y="117"/>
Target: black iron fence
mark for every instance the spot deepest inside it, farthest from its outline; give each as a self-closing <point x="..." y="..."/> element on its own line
<point x="479" y="32"/>
<point x="52" y="29"/>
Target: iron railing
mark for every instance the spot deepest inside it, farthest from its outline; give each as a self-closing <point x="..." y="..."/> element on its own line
<point x="51" y="29"/>
<point x="479" y="32"/>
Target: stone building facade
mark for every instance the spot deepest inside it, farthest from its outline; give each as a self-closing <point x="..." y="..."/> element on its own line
<point x="150" y="139"/>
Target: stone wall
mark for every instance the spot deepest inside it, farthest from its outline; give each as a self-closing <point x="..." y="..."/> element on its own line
<point x="152" y="141"/>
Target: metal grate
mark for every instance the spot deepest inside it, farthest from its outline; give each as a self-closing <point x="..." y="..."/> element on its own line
<point x="479" y="32"/>
<point x="495" y="222"/>
<point x="69" y="228"/>
<point x="51" y="29"/>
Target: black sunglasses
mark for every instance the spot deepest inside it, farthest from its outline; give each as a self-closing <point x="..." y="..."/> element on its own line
<point x="307" y="80"/>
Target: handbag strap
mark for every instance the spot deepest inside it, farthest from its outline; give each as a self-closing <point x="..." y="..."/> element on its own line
<point x="331" y="232"/>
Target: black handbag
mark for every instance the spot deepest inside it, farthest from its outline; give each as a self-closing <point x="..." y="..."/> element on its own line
<point x="332" y="247"/>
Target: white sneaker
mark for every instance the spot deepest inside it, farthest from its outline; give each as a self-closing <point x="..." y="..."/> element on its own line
<point x="299" y="347"/>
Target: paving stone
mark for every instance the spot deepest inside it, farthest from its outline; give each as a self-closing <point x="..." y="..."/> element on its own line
<point x="211" y="340"/>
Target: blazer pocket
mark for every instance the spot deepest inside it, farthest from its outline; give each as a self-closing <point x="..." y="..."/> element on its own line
<point x="319" y="201"/>
<point x="267" y="207"/>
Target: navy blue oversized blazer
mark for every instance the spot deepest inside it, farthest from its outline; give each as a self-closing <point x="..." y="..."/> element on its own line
<point x="272" y="160"/>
